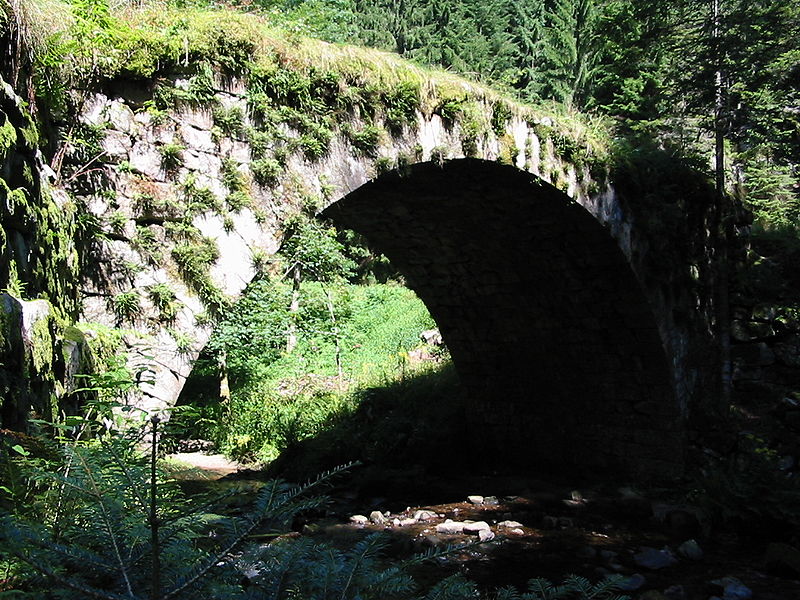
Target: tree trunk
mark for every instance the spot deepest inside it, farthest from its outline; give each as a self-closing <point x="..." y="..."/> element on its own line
<point x="294" y="307"/>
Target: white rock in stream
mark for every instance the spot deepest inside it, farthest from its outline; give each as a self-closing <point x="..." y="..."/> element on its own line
<point x="485" y="535"/>
<point x="476" y="527"/>
<point x="408" y="522"/>
<point x="359" y="519"/>
<point x="450" y="527"/>
<point x="424" y="515"/>
<point x="377" y="517"/>
<point x="475" y="499"/>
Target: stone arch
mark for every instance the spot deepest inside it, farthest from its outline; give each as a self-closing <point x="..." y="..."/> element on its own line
<point x="548" y="326"/>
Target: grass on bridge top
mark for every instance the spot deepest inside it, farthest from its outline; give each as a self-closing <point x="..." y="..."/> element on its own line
<point x="74" y="45"/>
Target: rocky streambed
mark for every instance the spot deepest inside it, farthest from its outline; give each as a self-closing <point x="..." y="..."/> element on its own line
<point x="510" y="531"/>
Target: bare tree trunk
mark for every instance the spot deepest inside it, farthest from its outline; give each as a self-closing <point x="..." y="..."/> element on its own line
<point x="335" y="332"/>
<point x="294" y="307"/>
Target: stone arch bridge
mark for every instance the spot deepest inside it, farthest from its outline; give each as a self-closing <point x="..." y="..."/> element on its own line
<point x="566" y="313"/>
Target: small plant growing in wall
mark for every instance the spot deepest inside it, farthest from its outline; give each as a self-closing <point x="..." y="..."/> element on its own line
<point x="365" y="140"/>
<point x="266" y="171"/>
<point x="165" y="301"/>
<point x="126" y="306"/>
<point x="171" y="156"/>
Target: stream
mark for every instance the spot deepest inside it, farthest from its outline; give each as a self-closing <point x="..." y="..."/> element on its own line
<point x="531" y="529"/>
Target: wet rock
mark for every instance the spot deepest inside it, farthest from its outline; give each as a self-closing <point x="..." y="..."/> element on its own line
<point x="632" y="583"/>
<point x="549" y="522"/>
<point x="377" y="517"/>
<point x="783" y="558"/>
<point x="565" y="523"/>
<point x="359" y="519"/>
<point x="491" y="501"/>
<point x="516" y="531"/>
<point x="608" y="554"/>
<point x="786" y="463"/>
<point x="485" y="535"/>
<point x="690" y="550"/>
<point x="407" y="522"/>
<point x="652" y="595"/>
<point x="475" y="499"/>
<point x="476" y="527"/>
<point x="450" y="527"/>
<point x="653" y="559"/>
<point x="511" y="524"/>
<point x="424" y="515"/>
<point x="675" y="592"/>
<point x="733" y="589"/>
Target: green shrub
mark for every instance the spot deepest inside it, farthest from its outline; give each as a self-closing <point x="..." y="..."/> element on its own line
<point x="165" y="301"/>
<point x="171" y="156"/>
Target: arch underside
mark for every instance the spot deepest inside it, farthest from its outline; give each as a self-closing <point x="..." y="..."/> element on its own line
<point x="546" y="322"/>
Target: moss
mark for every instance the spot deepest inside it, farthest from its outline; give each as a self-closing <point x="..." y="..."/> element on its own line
<point x="42" y="343"/>
<point x="508" y="150"/>
<point x="8" y="136"/>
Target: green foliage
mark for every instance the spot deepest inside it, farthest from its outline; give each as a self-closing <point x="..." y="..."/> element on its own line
<point x="165" y="302"/>
<point x="229" y="120"/>
<point x="112" y="527"/>
<point x="198" y="200"/>
<point x="126" y="306"/>
<point x="314" y="249"/>
<point x="365" y="140"/>
<point x="171" y="156"/>
<point x="748" y="489"/>
<point x="266" y="171"/>
<point x="232" y="177"/>
<point x="573" y="588"/>
<point x="280" y="399"/>
<point x="194" y="259"/>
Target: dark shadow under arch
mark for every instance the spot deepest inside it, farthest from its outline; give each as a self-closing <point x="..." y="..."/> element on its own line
<point x="547" y="324"/>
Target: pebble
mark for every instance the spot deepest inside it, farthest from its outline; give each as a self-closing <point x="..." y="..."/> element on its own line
<point x="632" y="583"/>
<point x="359" y="519"/>
<point x="485" y="535"/>
<point x="377" y="517"/>
<point x="475" y="499"/>
<point x="675" y="592"/>
<point x="450" y="527"/>
<point x="476" y="527"/>
<point x="653" y="559"/>
<point x="690" y="550"/>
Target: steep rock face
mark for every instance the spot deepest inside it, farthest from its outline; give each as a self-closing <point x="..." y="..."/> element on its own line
<point x="38" y="254"/>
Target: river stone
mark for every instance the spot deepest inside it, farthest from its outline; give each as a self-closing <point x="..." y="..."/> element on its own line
<point x="690" y="550"/>
<point x="476" y="527"/>
<point x="511" y="524"/>
<point x="377" y="517"/>
<point x="450" y="527"/>
<point x="475" y="499"/>
<point x="516" y="531"/>
<point x="651" y="558"/>
<point x="408" y="522"/>
<point x="359" y="519"/>
<point x="424" y="515"/>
